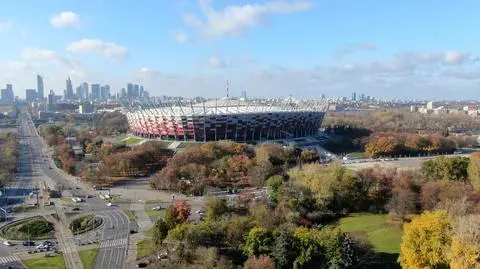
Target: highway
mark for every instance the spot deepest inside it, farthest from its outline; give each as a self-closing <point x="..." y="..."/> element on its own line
<point x="37" y="168"/>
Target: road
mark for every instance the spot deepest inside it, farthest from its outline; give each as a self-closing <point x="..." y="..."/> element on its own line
<point x="35" y="168"/>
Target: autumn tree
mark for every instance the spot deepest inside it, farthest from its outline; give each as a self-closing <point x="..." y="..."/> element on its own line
<point x="426" y="241"/>
<point x="474" y="171"/>
<point x="465" y="249"/>
<point x="404" y="197"/>
<point x="446" y="168"/>
<point x="215" y="208"/>
<point x="160" y="232"/>
<point x="262" y="262"/>
<point x="177" y="214"/>
<point x="259" y="241"/>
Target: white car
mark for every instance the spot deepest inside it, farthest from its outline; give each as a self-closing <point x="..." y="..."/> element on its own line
<point x="109" y="204"/>
<point x="7" y="243"/>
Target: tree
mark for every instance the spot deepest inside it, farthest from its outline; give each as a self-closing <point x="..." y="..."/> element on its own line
<point x="215" y="208"/>
<point x="465" y="250"/>
<point x="262" y="262"/>
<point x="183" y="209"/>
<point x="474" y="171"/>
<point x="258" y="241"/>
<point x="283" y="250"/>
<point x="160" y="232"/>
<point x="446" y="168"/>
<point x="404" y="198"/>
<point x="425" y="241"/>
<point x="275" y="188"/>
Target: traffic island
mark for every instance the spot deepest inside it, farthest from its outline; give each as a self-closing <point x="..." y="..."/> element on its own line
<point x="85" y="224"/>
<point x="50" y="262"/>
<point x="36" y="228"/>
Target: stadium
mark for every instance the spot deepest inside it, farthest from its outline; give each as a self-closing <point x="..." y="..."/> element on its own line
<point x="226" y="119"/>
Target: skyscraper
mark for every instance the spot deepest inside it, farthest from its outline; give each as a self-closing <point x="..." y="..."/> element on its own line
<point x="7" y="95"/>
<point x="105" y="92"/>
<point x="30" y="95"/>
<point x="51" y="99"/>
<point x="40" y="93"/>
<point x="85" y="90"/>
<point x="95" y="92"/>
<point x="69" y="89"/>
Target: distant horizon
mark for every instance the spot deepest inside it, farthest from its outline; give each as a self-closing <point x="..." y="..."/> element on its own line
<point x="391" y="50"/>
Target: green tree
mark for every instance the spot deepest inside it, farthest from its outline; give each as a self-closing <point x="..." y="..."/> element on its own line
<point x="426" y="241"/>
<point x="446" y="168"/>
<point x="160" y="232"/>
<point x="275" y="188"/>
<point x="258" y="241"/>
<point x="283" y="250"/>
<point x="215" y="208"/>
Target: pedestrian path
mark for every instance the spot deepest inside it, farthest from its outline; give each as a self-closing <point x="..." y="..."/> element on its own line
<point x="9" y="259"/>
<point x="114" y="243"/>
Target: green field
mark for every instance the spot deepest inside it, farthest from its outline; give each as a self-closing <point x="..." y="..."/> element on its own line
<point x="55" y="262"/>
<point x="155" y="213"/>
<point x="356" y="155"/>
<point x="129" y="140"/>
<point x="88" y="257"/>
<point x="149" y="232"/>
<point x="130" y="215"/>
<point x="384" y="237"/>
<point x="145" y="248"/>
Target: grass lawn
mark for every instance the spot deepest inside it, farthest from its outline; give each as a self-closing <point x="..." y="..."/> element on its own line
<point x="384" y="237"/>
<point x="88" y="257"/>
<point x="356" y="155"/>
<point x="56" y="262"/>
<point x="129" y="140"/>
<point x="154" y="201"/>
<point x="155" y="213"/>
<point x="145" y="248"/>
<point x="67" y="201"/>
<point x="130" y="215"/>
<point x="149" y="232"/>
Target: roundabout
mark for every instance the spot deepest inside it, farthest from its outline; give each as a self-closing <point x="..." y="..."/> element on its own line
<point x="35" y="228"/>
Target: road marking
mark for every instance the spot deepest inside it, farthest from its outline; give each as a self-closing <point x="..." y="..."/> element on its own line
<point x="114" y="243"/>
<point x="8" y="259"/>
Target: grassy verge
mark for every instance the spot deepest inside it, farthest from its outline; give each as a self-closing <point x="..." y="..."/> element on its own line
<point x="149" y="232"/>
<point x="154" y="201"/>
<point x="131" y="216"/>
<point x="356" y="155"/>
<point x="56" y="262"/>
<point x="155" y="213"/>
<point x="129" y="140"/>
<point x="32" y="228"/>
<point x="67" y="201"/>
<point x="88" y="257"/>
<point x="145" y="248"/>
<point x="383" y="236"/>
<point x="85" y="224"/>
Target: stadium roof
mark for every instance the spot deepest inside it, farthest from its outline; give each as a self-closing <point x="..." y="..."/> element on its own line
<point x="228" y="106"/>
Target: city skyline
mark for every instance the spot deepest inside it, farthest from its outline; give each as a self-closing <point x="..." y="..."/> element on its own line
<point x="266" y="48"/>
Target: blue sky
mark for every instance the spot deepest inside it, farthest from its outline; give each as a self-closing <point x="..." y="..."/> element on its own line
<point x="391" y="49"/>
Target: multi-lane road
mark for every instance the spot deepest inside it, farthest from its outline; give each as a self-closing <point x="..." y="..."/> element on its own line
<point x="35" y="167"/>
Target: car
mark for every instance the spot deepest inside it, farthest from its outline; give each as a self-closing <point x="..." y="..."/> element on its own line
<point x="7" y="243"/>
<point x="201" y="211"/>
<point x="28" y="243"/>
<point x="157" y="208"/>
<point x="76" y="209"/>
<point x="109" y="204"/>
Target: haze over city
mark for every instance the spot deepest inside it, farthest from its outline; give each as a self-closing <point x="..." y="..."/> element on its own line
<point x="406" y="49"/>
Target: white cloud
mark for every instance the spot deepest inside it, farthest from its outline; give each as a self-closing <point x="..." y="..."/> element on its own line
<point x="236" y="19"/>
<point x="181" y="37"/>
<point x="97" y="46"/>
<point x="65" y="19"/>
<point x="216" y="62"/>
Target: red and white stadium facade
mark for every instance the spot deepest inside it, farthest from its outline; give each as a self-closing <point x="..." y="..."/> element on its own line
<point x="227" y="119"/>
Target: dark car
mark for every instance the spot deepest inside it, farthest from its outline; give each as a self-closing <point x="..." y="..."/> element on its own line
<point x="28" y="243"/>
<point x="142" y="265"/>
<point x="75" y="209"/>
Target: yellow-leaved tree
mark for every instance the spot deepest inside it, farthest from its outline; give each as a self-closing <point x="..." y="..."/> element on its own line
<point x="426" y="241"/>
<point x="465" y="250"/>
<point x="474" y="170"/>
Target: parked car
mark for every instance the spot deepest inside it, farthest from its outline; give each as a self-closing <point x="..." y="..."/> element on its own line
<point x="28" y="243"/>
<point x="76" y="209"/>
<point x="7" y="243"/>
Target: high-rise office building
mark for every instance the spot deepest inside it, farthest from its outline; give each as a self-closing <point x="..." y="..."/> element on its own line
<point x="80" y="92"/>
<point x="51" y="101"/>
<point x="354" y="96"/>
<point x="129" y="90"/>
<point x="95" y="92"/>
<point x="40" y="86"/>
<point x="7" y="95"/>
<point x="105" y="92"/>
<point x="85" y="90"/>
<point x="69" y="89"/>
<point x="30" y="95"/>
